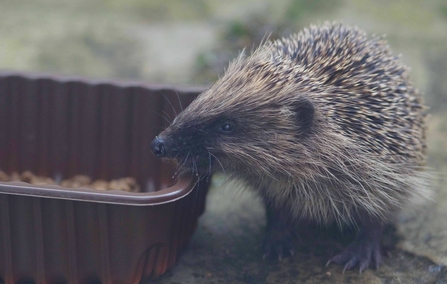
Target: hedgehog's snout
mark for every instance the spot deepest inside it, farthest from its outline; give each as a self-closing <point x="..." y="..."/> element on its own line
<point x="158" y="147"/>
<point x="164" y="147"/>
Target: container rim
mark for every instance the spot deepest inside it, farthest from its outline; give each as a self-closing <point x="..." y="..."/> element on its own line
<point x="180" y="189"/>
<point x="101" y="81"/>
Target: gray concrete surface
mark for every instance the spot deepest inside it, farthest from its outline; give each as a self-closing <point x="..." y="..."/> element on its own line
<point x="226" y="248"/>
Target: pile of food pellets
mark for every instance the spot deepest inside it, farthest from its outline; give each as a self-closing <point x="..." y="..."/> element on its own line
<point x="126" y="184"/>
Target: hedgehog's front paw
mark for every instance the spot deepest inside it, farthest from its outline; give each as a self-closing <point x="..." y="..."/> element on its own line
<point x="361" y="252"/>
<point x="279" y="243"/>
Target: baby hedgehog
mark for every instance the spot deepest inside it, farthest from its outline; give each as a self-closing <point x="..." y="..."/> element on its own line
<point x="324" y="124"/>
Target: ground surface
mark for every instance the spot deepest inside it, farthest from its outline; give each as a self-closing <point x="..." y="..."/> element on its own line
<point x="226" y="249"/>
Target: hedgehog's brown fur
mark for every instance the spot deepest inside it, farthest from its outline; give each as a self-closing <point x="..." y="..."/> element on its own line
<point x="327" y="127"/>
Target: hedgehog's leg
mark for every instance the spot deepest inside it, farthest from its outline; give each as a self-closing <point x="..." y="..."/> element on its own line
<point x="279" y="238"/>
<point x="364" y="250"/>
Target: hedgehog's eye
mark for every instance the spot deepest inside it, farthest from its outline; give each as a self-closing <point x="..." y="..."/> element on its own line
<point x="227" y="127"/>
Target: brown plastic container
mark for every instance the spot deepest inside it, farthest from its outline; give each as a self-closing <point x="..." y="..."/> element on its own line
<point x="61" y="127"/>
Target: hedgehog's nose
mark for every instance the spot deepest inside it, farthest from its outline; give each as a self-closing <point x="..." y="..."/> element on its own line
<point x="158" y="147"/>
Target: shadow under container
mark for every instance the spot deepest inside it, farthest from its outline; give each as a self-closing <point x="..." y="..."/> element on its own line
<point x="62" y="127"/>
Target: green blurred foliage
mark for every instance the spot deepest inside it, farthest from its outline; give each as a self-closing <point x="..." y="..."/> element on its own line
<point x="236" y="36"/>
<point x="162" y="10"/>
<point x="97" y="51"/>
<point x="443" y="11"/>
<point x="299" y="9"/>
<point x="250" y="31"/>
<point x="437" y="76"/>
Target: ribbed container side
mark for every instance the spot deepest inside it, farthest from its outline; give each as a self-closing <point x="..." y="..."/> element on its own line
<point x="61" y="127"/>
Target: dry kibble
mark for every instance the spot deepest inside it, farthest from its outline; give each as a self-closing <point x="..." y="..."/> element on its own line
<point x="65" y="183"/>
<point x="130" y="181"/>
<point x="134" y="187"/>
<point x="82" y="179"/>
<point x="100" y="185"/>
<point x="118" y="184"/>
<point x="27" y="176"/>
<point x="15" y="176"/>
<point x="42" y="180"/>
<point x="4" y="176"/>
<point x="77" y="181"/>
<point x="124" y="184"/>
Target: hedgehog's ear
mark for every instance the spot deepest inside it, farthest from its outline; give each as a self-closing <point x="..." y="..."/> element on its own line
<point x="304" y="114"/>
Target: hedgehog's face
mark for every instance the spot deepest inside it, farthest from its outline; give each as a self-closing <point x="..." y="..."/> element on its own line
<point x="248" y="118"/>
<point x="192" y="143"/>
<point x="234" y="135"/>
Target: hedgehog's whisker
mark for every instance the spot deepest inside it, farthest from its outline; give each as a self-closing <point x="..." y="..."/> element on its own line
<point x="221" y="166"/>
<point x="181" y="149"/>
<point x="194" y="166"/>
<point x="186" y="158"/>
<point x="169" y="102"/>
<point x="179" y="100"/>
<point x="182" y="164"/>
<point x="168" y="119"/>
<point x="209" y="163"/>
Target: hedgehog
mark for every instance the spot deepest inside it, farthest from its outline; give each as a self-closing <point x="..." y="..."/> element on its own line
<point x="324" y="124"/>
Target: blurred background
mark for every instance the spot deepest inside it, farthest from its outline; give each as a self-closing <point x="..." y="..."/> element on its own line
<point x="191" y="42"/>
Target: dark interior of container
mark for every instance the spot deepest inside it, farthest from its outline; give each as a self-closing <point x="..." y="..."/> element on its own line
<point x="64" y="127"/>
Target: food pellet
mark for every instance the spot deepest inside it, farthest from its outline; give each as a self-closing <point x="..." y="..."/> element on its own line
<point x="125" y="184"/>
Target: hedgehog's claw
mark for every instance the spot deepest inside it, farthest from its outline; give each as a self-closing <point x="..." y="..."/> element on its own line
<point x="279" y="243"/>
<point x="279" y="237"/>
<point x="362" y="252"/>
<point x="361" y="255"/>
